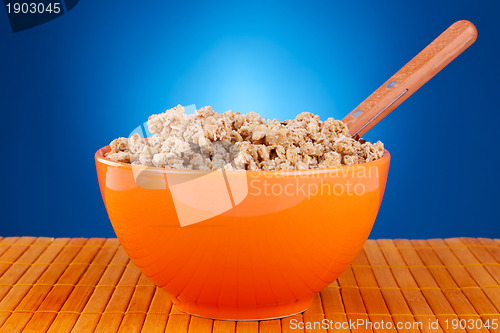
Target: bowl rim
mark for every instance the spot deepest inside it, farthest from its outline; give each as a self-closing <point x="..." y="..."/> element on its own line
<point x="100" y="158"/>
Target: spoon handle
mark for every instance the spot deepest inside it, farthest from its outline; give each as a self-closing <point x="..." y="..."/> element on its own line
<point x="453" y="41"/>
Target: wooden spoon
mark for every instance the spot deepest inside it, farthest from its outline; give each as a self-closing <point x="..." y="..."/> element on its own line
<point x="453" y="41"/>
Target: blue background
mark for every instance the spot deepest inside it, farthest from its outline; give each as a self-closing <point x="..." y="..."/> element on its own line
<point x="72" y="85"/>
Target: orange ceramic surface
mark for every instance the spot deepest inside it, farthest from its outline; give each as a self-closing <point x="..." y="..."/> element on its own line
<point x="242" y="245"/>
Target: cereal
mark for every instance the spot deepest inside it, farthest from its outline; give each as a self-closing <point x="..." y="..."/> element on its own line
<point x="208" y="140"/>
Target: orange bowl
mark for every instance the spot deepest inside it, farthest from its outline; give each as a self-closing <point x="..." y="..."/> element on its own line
<point x="242" y="245"/>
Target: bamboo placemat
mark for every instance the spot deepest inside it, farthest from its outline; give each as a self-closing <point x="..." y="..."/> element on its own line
<point x="85" y="285"/>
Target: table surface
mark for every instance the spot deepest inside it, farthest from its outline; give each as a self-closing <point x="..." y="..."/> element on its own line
<point x="84" y="285"/>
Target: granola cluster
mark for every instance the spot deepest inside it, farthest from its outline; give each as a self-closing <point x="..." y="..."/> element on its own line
<point x="208" y="140"/>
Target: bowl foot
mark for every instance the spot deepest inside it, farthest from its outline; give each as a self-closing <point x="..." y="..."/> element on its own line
<point x="266" y="312"/>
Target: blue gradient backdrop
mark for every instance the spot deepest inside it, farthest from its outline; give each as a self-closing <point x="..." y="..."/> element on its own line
<point x="73" y="84"/>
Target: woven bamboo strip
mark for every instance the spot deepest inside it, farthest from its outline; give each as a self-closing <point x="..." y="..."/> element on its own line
<point x="492" y="247"/>
<point x="17" y="270"/>
<point x="416" y="298"/>
<point x="53" y="302"/>
<point x="201" y="325"/>
<point x="484" y="257"/>
<point x="37" y="293"/>
<point x="372" y="296"/>
<point x="117" y="305"/>
<point x="139" y="304"/>
<point x="175" y="311"/>
<point x="286" y="324"/>
<point x="314" y="314"/>
<point x="333" y="307"/>
<point x="379" y="266"/>
<point x="440" y="302"/>
<point x="14" y="251"/>
<point x="97" y="303"/>
<point x="223" y="326"/>
<point x="392" y="294"/>
<point x="17" y="292"/>
<point x="433" y="295"/>
<point x="351" y="297"/>
<point x="398" y="301"/>
<point x="463" y="306"/>
<point x="461" y="276"/>
<point x="245" y="327"/>
<point x="6" y="243"/>
<point x="478" y="272"/>
<point x="177" y="323"/>
<point x="458" y="272"/>
<point x="465" y="256"/>
<point x="157" y="316"/>
<point x="81" y="293"/>
<point x="89" y="285"/>
<point x="270" y="326"/>
<point x="155" y="323"/>
<point x="91" y="314"/>
<point x="480" y="250"/>
<point x="31" y="275"/>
